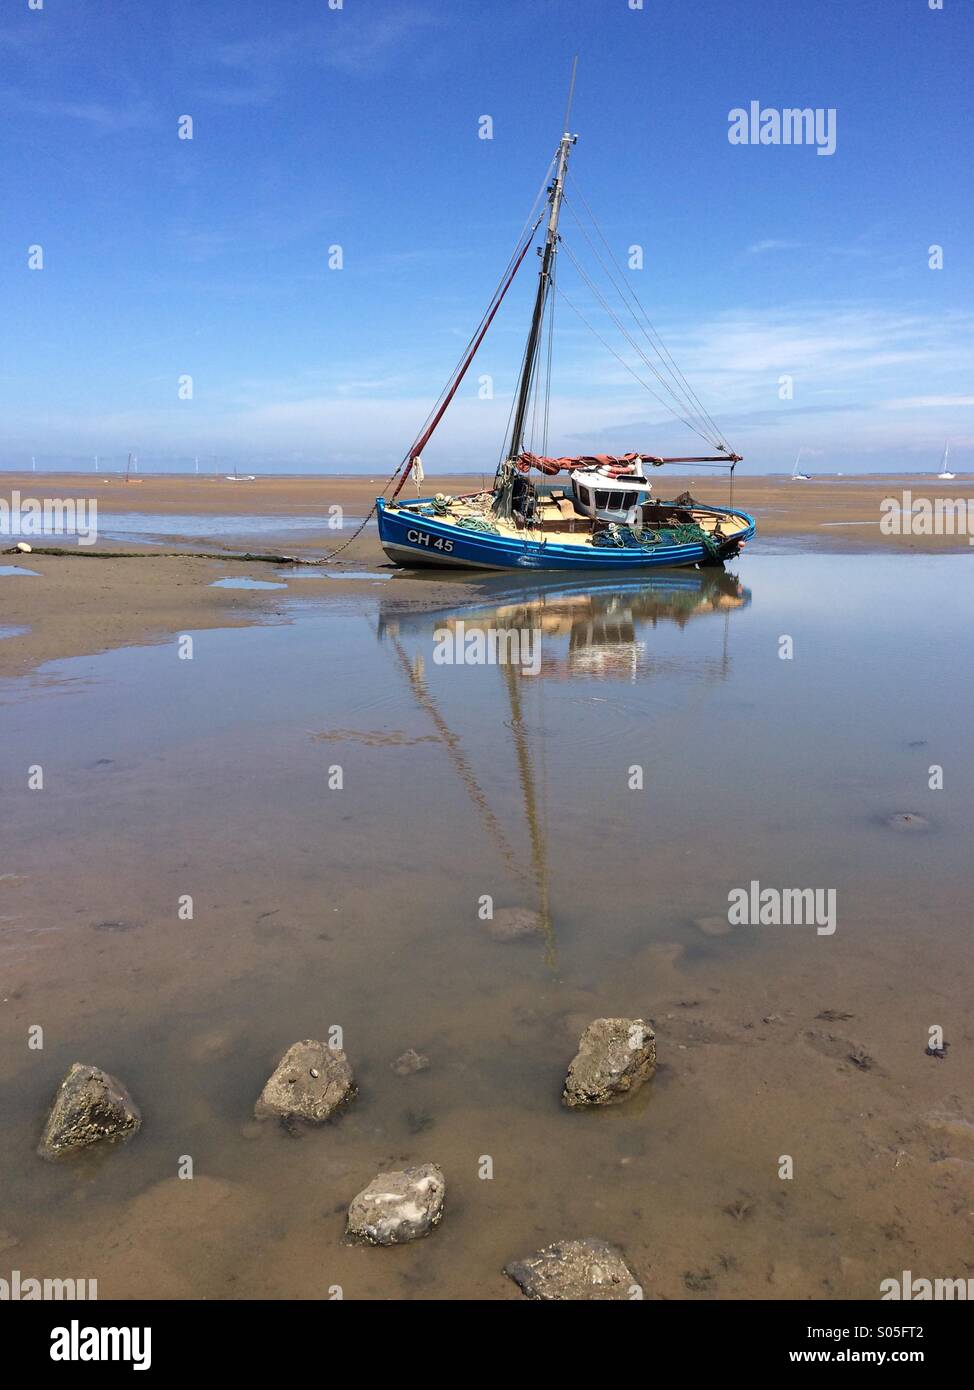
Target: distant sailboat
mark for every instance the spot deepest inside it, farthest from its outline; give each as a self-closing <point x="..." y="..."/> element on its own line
<point x="945" y="472"/>
<point x="796" y="474"/>
<point x="236" y="477"/>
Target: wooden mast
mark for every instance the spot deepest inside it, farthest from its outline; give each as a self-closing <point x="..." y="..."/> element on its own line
<point x="548" y="253"/>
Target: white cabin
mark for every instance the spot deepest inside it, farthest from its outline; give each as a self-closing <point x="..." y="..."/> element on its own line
<point x="604" y="498"/>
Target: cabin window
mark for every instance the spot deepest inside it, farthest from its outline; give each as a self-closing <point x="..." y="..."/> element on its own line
<point x="612" y="501"/>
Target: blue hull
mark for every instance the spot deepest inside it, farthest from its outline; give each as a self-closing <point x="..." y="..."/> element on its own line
<point x="409" y="537"/>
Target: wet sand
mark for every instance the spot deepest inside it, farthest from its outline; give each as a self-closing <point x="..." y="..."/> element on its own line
<point x="78" y="606"/>
<point x="359" y="908"/>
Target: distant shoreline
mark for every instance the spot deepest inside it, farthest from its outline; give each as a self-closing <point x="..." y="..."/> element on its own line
<point x="211" y="475"/>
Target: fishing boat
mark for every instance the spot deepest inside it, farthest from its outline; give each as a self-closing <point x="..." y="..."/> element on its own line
<point x="605" y="516"/>
<point x="945" y="474"/>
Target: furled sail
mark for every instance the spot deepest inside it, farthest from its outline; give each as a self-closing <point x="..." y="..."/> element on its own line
<point x="617" y="464"/>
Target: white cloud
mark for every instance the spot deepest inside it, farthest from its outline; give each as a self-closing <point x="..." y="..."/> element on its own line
<point x="849" y="363"/>
<point x="926" y="402"/>
<point x="773" y="244"/>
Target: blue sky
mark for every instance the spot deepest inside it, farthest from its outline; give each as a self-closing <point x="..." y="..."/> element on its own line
<point x="359" y="127"/>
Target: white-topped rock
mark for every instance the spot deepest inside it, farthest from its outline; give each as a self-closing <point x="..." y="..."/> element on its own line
<point x="397" y="1207"/>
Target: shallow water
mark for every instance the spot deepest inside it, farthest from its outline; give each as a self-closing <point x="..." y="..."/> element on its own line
<point x="335" y="574"/>
<point x="315" y="906"/>
<point x="12" y="571"/>
<point x="241" y="583"/>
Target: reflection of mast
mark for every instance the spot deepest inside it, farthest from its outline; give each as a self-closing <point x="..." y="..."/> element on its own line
<point x="539" y="855"/>
<point x="724" y="653"/>
<point x="456" y="754"/>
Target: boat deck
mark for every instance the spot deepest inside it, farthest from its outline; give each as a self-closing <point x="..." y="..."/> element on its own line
<point x="558" y="520"/>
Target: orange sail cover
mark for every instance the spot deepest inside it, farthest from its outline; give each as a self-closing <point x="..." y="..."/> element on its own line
<point x="617" y="464"/>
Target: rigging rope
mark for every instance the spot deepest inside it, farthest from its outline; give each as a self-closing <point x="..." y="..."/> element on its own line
<point x="658" y="345"/>
<point x="673" y="409"/>
<point x="631" y="370"/>
<point x="448" y="392"/>
<point x="680" y="399"/>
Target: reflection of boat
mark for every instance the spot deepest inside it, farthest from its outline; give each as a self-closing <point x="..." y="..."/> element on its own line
<point x="595" y="629"/>
<point x="604" y="517"/>
<point x="945" y="474"/>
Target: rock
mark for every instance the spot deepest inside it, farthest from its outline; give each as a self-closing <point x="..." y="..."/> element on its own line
<point x="397" y="1207"/>
<point x="575" y="1269"/>
<point x="214" y="1044"/>
<point x="615" y="1056"/>
<point x="515" y="924"/>
<point x="907" y="820"/>
<point x="89" y="1106"/>
<point x="311" y="1081"/>
<point x="713" y="926"/>
<point x="410" y="1061"/>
